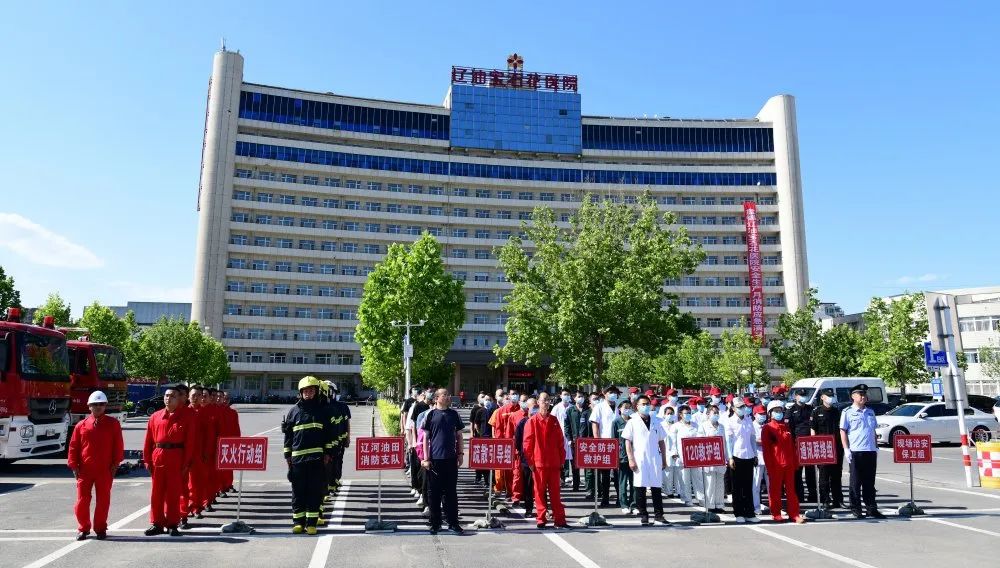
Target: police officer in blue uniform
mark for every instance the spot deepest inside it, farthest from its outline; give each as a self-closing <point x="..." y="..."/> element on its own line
<point x="857" y="432"/>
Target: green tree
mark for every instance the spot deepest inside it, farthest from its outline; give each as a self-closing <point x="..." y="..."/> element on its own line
<point x="697" y="356"/>
<point x="9" y="296"/>
<point x="800" y="345"/>
<point x="840" y="353"/>
<point x="174" y="351"/>
<point x="630" y="366"/>
<point x="893" y="341"/>
<point x="104" y="326"/>
<point x="989" y="359"/>
<point x="410" y="284"/>
<point x="667" y="367"/>
<point x="739" y="351"/>
<point x="594" y="286"/>
<point x="56" y="307"/>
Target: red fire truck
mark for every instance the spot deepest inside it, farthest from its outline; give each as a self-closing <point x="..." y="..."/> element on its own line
<point x="94" y="366"/>
<point x="34" y="389"/>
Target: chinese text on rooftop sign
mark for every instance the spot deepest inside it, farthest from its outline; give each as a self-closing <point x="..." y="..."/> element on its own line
<point x="513" y="79"/>
<point x="596" y="453"/>
<point x="491" y="453"/>
<point x="379" y="453"/>
<point x="249" y="454"/>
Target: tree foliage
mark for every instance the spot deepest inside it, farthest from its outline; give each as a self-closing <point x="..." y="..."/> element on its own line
<point x="9" y="296"/>
<point x="893" y="340"/>
<point x="668" y="368"/>
<point x="697" y="356"/>
<point x="799" y="348"/>
<point x="104" y="326"/>
<point x="739" y="351"/>
<point x="56" y="307"/>
<point x="174" y="351"/>
<point x="410" y="284"/>
<point x="595" y="285"/>
<point x="989" y="359"/>
<point x="630" y="366"/>
<point x="840" y="352"/>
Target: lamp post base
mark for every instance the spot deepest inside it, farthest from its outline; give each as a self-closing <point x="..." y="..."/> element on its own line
<point x="910" y="510"/>
<point x="705" y="517"/>
<point x="374" y="526"/>
<point x="237" y="527"/>
<point x="594" y="519"/>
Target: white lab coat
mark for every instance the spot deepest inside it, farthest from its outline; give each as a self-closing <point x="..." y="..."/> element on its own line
<point x="714" y="476"/>
<point x="671" y="475"/>
<point x="559" y="411"/>
<point x="691" y="480"/>
<point x="646" y="450"/>
<point x="759" y="472"/>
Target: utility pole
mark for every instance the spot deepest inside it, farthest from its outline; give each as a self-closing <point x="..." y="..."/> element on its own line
<point x="407" y="349"/>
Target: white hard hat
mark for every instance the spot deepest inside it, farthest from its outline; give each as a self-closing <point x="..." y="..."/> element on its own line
<point x="775" y="404"/>
<point x="97" y="397"/>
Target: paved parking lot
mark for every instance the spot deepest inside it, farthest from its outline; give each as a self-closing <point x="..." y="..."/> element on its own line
<point x="37" y="526"/>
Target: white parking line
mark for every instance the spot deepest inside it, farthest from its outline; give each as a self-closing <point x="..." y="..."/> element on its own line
<point x="570" y="550"/>
<point x="337" y="511"/>
<point x="36" y="538"/>
<point x="32" y="485"/>
<point x="321" y="552"/>
<point x="48" y="559"/>
<point x="816" y="549"/>
<point x="963" y="491"/>
<point x="968" y="528"/>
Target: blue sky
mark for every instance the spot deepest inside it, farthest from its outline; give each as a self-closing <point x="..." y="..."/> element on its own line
<point x="104" y="110"/>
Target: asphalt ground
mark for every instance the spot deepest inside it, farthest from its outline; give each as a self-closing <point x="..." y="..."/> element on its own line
<point x="37" y="526"/>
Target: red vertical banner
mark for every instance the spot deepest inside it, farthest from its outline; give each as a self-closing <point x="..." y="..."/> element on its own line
<point x="753" y="267"/>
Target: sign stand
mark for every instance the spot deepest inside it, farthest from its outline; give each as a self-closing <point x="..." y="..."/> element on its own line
<point x="707" y="516"/>
<point x="377" y="525"/>
<point x="820" y="512"/>
<point x="490" y="522"/>
<point x="595" y="519"/>
<point x="910" y="509"/>
<point x="602" y="454"/>
<point x="238" y="526"/>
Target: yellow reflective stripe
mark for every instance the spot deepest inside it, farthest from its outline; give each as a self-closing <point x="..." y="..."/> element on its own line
<point x="307" y="426"/>
<point x="297" y="453"/>
<point x="311" y="515"/>
<point x="298" y="515"/>
<point x="328" y="446"/>
<point x="287" y="449"/>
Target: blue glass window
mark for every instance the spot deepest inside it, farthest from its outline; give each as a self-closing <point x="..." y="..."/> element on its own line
<point x="677" y="139"/>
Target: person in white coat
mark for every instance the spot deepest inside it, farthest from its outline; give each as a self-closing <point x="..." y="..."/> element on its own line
<point x="559" y="411"/>
<point x="671" y="475"/>
<point x="698" y="414"/>
<point x="646" y="449"/>
<point x="691" y="479"/>
<point x="715" y="486"/>
<point x="760" y="472"/>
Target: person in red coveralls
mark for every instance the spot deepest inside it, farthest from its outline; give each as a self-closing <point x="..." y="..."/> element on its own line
<point x="230" y="426"/>
<point x="95" y="450"/>
<point x="517" y="480"/>
<point x="169" y="450"/>
<point x="499" y="422"/>
<point x="200" y="483"/>
<point x="780" y="461"/>
<point x="545" y="449"/>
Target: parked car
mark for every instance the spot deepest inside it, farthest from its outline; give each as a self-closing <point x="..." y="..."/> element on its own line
<point x="934" y="419"/>
<point x="895" y="399"/>
<point x="147" y="406"/>
<point x="984" y="403"/>
<point x="879" y="408"/>
<point x="996" y="408"/>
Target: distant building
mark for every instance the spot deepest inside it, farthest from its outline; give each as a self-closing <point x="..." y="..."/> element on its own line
<point x="148" y="313"/>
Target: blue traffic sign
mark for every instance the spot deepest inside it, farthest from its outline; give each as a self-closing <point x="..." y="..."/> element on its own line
<point x="934" y="358"/>
<point x="937" y="387"/>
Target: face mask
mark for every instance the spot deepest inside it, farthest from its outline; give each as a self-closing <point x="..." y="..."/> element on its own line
<point x="645" y="409"/>
<point x="671" y="399"/>
<point x="714" y="418"/>
<point x="523" y="405"/>
<point x="746" y="411"/>
<point x="533" y="411"/>
<point x="612" y="397"/>
<point x="800" y="399"/>
<point x="701" y="408"/>
<point x="626" y="412"/>
<point x="579" y="400"/>
<point x="764" y="401"/>
<point x="779" y="416"/>
<point x="687" y="417"/>
<point x="566" y="398"/>
<point x="715" y="400"/>
<point x="671" y="418"/>
<point x="488" y="405"/>
<point x="761" y="418"/>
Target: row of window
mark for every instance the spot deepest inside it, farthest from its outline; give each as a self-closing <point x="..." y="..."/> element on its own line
<point x="273" y="384"/>
<point x="677" y="139"/>
<point x="979" y="323"/>
<point x="716" y="302"/>
<point x="352" y="118"/>
<point x="265" y="175"/>
<point x="719" y="281"/>
<point x="495" y="171"/>
<point x="286" y="289"/>
<point x="341" y="313"/>
<point x="261" y="334"/>
<point x="295" y="359"/>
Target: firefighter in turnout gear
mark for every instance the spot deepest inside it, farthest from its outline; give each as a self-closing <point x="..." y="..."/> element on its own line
<point x="308" y="448"/>
<point x="340" y="419"/>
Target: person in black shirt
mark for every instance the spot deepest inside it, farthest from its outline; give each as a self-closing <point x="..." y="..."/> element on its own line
<point x="799" y="418"/>
<point x="404" y="412"/>
<point x="442" y="456"/>
<point x="474" y="425"/>
<point x="826" y="421"/>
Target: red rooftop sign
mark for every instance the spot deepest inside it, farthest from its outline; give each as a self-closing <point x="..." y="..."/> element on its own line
<point x="513" y="79"/>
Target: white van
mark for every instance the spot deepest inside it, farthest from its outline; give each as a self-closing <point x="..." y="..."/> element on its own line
<point x="841" y="387"/>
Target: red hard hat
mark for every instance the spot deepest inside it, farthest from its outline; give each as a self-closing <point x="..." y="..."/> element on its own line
<point x="715" y="391"/>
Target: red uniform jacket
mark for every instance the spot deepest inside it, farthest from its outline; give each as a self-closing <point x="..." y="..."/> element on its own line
<point x="230" y="421"/>
<point x="779" y="449"/>
<point x="501" y="429"/>
<point x="205" y="433"/>
<point x="177" y="427"/>
<point x="544" y="445"/>
<point x="96" y="445"/>
<point x="512" y="420"/>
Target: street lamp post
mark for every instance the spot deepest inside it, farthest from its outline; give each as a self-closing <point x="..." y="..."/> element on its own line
<point x="407" y="348"/>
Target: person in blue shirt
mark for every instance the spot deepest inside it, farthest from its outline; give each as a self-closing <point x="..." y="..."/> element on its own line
<point x="857" y="432"/>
